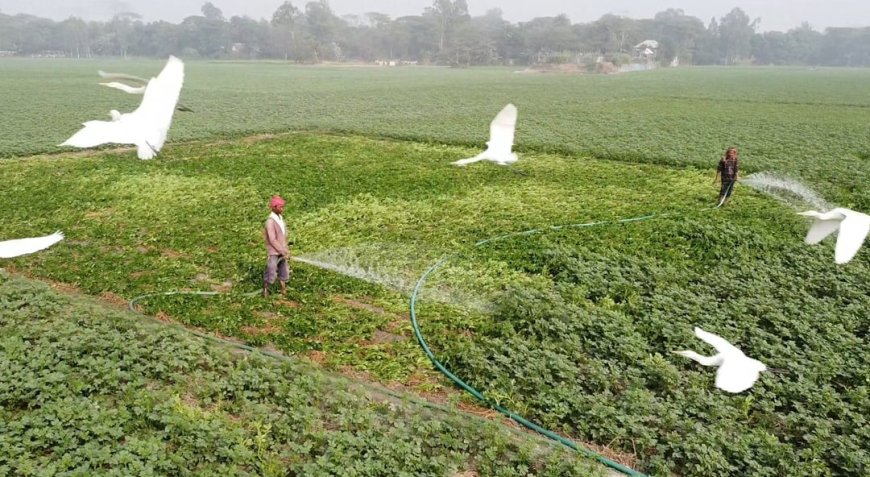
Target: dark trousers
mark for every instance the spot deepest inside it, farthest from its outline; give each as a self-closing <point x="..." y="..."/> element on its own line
<point x="727" y="188"/>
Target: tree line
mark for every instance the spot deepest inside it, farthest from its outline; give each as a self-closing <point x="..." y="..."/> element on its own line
<point x="443" y="33"/>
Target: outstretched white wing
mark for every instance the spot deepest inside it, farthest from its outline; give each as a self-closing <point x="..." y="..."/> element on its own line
<point x="123" y="76"/>
<point x="148" y="125"/>
<point x="721" y="344"/>
<point x="501" y="131"/>
<point x="17" y="247"/>
<point x="463" y="162"/>
<point x="94" y="133"/>
<point x="158" y="104"/>
<point x="714" y="360"/>
<point x="125" y="88"/>
<point x="824" y="224"/>
<point x="853" y="230"/>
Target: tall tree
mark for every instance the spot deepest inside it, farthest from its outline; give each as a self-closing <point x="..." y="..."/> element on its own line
<point x="28" y="34"/>
<point x="678" y="35"/>
<point x="212" y="13"/>
<point x="612" y="34"/>
<point x="322" y="25"/>
<point x="383" y="32"/>
<point x="707" y="51"/>
<point x="804" y="43"/>
<point x="845" y="47"/>
<point x="770" y="48"/>
<point x="545" y="38"/>
<point x="471" y="46"/>
<point x="496" y="30"/>
<point x="735" y="35"/>
<point x="250" y="38"/>
<point x="207" y="34"/>
<point x="285" y="21"/>
<point x="447" y="15"/>
<point x="122" y="27"/>
<point x="74" y="36"/>
<point x="417" y="36"/>
<point x="160" y="39"/>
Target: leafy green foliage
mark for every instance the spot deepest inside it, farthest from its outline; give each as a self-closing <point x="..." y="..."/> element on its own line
<point x="193" y="221"/>
<point x="584" y="319"/>
<point x="586" y="348"/>
<point x="806" y="123"/>
<point x="92" y="391"/>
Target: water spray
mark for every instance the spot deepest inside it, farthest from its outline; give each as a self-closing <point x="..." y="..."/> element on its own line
<point x="786" y="189"/>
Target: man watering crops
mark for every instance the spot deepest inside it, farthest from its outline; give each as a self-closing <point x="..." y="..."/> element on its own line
<point x="728" y="169"/>
<point x="277" y="248"/>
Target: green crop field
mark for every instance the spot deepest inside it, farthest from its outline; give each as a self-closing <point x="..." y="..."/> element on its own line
<point x="812" y="124"/>
<point x="90" y="391"/>
<point x="573" y="328"/>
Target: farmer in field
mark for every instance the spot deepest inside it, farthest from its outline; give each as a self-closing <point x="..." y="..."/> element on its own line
<point x="728" y="169"/>
<point x="277" y="248"/>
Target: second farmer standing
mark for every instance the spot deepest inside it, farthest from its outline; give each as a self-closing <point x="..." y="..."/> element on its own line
<point x="728" y="169"/>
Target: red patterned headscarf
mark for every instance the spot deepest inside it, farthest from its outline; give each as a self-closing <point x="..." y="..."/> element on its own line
<point x="276" y="201"/>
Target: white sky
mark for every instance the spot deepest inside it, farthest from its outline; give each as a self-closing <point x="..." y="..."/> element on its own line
<point x="775" y="14"/>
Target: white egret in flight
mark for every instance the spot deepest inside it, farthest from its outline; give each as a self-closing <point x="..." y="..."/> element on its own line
<point x="125" y="88"/>
<point x="132" y="89"/>
<point x="851" y="227"/>
<point x="147" y="126"/>
<point x="17" y="247"/>
<point x="501" y="139"/>
<point x="736" y="372"/>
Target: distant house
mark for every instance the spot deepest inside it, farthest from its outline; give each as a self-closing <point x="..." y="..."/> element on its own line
<point x="646" y="50"/>
<point x="49" y="54"/>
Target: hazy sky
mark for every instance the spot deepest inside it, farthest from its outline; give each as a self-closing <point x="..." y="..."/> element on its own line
<point x="775" y="14"/>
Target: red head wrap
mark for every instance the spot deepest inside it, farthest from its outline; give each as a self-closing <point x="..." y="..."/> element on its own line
<point x="276" y="201"/>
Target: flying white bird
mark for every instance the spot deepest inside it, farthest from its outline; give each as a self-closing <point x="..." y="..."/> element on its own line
<point x="853" y="228"/>
<point x="737" y="372"/>
<point x="132" y="89"/>
<point x="125" y="88"/>
<point x="147" y="126"/>
<point x="501" y="139"/>
<point x="125" y="76"/>
<point x="14" y="248"/>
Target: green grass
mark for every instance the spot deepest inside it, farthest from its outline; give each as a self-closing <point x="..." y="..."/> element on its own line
<point x="92" y="391"/>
